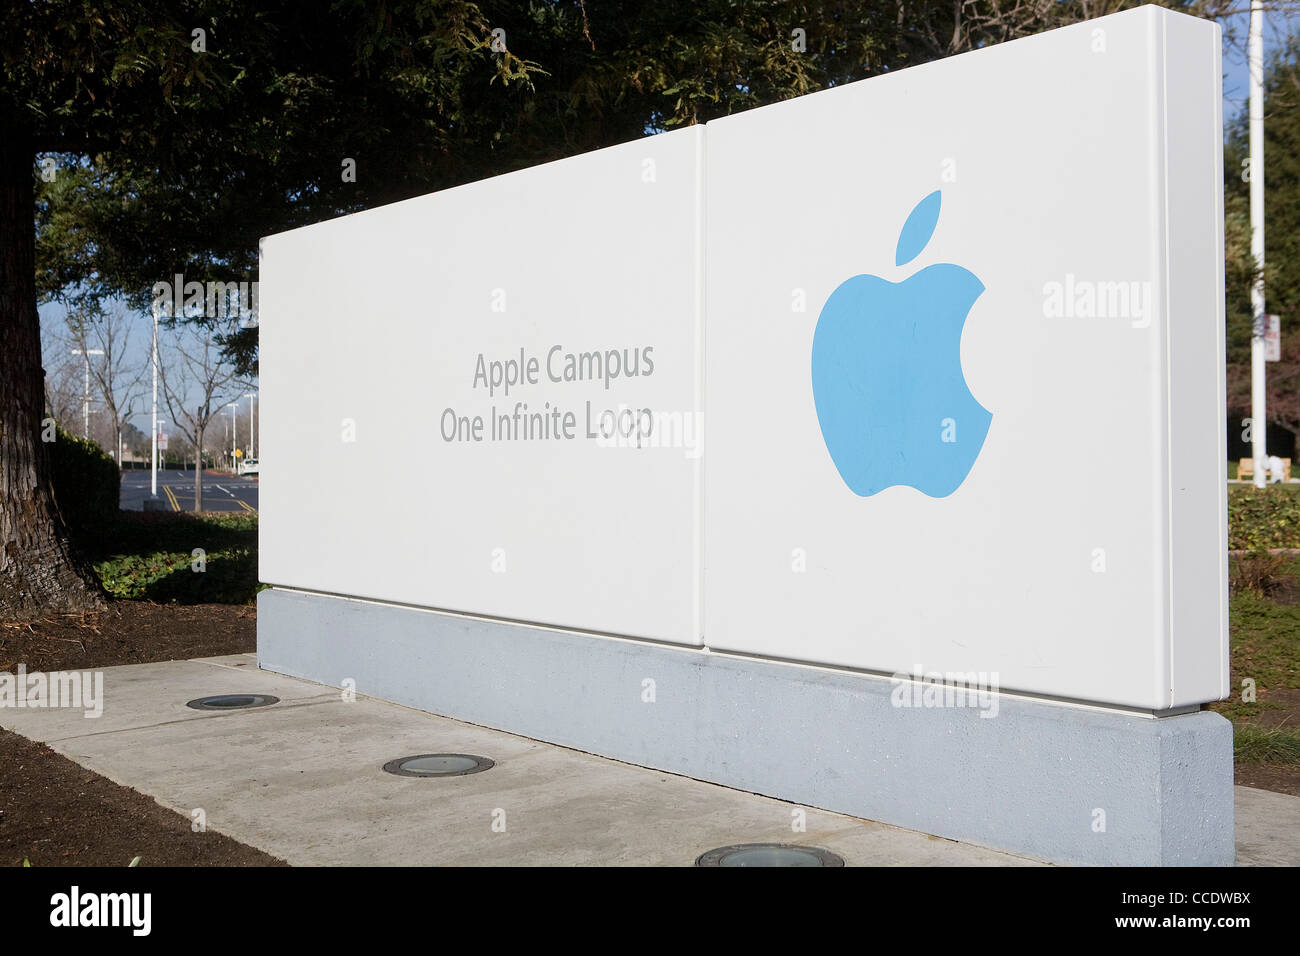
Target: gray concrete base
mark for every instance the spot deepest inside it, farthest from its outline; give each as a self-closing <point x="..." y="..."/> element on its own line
<point x="1052" y="781"/>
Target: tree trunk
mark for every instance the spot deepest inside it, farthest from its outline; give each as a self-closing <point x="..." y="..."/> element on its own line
<point x="198" y="472"/>
<point x="39" y="571"/>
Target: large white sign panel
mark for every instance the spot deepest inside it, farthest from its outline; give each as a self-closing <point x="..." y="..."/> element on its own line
<point x="965" y="369"/>
<point x="956" y="332"/>
<point x="486" y="399"/>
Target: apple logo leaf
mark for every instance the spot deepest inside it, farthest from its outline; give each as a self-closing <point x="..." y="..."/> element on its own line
<point x="918" y="229"/>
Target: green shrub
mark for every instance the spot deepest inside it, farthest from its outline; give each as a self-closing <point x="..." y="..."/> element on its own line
<point x="151" y="556"/>
<point x="86" y="483"/>
<point x="1260" y="518"/>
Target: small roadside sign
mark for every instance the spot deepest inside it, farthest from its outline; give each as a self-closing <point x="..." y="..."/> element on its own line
<point x="1273" y="339"/>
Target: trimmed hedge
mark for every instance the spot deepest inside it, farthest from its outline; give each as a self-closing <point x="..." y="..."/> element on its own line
<point x="1266" y="517"/>
<point x="87" y="483"/>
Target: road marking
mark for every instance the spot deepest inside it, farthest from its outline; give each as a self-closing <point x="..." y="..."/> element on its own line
<point x="227" y="491"/>
<point x="171" y="495"/>
<point x="247" y="507"/>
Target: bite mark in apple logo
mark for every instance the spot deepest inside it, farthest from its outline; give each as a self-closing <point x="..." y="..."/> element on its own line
<point x="891" y="396"/>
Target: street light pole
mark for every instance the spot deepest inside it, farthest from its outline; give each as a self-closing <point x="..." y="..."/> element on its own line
<point x="1258" y="395"/>
<point x="252" y="445"/>
<point x="153" y="503"/>
<point x="85" y="402"/>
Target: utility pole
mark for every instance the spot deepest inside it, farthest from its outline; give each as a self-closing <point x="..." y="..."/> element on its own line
<point x="85" y="402"/>
<point x="1258" y="396"/>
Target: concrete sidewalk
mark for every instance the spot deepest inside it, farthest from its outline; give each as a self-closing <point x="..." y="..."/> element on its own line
<point x="301" y="780"/>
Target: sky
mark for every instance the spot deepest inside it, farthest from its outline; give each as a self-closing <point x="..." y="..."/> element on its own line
<point x="137" y="356"/>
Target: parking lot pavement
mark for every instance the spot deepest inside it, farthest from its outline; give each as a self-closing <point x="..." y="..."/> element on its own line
<point x="221" y="492"/>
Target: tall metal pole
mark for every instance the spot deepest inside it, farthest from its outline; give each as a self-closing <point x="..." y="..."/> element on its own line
<point x="1258" y="410"/>
<point x="153" y="502"/>
<point x="252" y="446"/>
<point x="153" y="481"/>
<point x="85" y="401"/>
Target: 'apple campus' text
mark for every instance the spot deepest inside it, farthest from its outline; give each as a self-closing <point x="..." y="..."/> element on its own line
<point x="549" y="421"/>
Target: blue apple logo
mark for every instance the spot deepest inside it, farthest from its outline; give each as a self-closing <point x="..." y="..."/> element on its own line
<point x="891" y="398"/>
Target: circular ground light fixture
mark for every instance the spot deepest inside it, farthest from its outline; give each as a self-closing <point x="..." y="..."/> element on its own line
<point x="232" y="701"/>
<point x="438" y="765"/>
<point x="769" y="854"/>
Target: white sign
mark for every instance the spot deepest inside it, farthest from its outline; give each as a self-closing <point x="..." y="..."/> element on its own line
<point x="487" y="399"/>
<point x="1273" y="339"/>
<point x="916" y="290"/>
<point x="992" y="442"/>
<point x="162" y="441"/>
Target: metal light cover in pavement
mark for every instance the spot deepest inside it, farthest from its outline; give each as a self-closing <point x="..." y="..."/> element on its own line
<point x="438" y="765"/>
<point x="232" y="701"/>
<point x="768" y="854"/>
